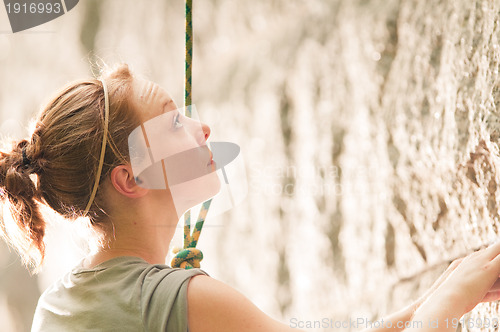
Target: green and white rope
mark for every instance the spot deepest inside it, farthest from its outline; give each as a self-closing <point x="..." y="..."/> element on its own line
<point x="190" y="257"/>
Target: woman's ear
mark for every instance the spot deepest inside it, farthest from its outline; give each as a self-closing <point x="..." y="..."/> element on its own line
<point x="123" y="180"/>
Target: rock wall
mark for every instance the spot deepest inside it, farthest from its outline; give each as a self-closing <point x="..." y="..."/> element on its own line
<point x="369" y="128"/>
<point x="372" y="145"/>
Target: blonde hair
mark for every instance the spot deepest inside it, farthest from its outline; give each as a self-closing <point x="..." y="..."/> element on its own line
<point x="63" y="154"/>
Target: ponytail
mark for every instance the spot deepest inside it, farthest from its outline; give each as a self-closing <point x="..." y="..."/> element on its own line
<point x="20" y="193"/>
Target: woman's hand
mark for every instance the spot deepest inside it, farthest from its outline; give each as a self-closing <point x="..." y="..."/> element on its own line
<point x="472" y="279"/>
<point x="464" y="284"/>
<point x="437" y="283"/>
<point x="494" y="293"/>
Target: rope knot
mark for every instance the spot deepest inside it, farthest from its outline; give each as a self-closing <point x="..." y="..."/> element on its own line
<point x="187" y="258"/>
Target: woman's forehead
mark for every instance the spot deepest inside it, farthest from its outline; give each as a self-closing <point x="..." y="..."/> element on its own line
<point x="151" y="98"/>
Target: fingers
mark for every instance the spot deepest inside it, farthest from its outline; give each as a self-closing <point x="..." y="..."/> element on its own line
<point x="449" y="270"/>
<point x="493" y="250"/>
<point x="496" y="286"/>
<point x="491" y="296"/>
<point x="496" y="263"/>
<point x="494" y="293"/>
<point x="454" y="264"/>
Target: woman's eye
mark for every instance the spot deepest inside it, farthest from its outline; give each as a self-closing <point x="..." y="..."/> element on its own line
<point x="177" y="123"/>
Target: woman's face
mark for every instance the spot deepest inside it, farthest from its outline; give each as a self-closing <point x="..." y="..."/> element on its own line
<point x="187" y="167"/>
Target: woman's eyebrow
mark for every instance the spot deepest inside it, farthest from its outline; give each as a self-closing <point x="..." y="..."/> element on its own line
<point x="165" y="104"/>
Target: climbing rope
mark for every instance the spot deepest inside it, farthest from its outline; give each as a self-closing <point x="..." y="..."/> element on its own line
<point x="189" y="56"/>
<point x="189" y="257"/>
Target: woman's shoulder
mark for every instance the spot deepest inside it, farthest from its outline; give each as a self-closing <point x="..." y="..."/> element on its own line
<point x="133" y="270"/>
<point x="126" y="289"/>
<point x="126" y="275"/>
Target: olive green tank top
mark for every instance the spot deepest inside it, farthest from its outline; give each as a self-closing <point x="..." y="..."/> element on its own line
<point x="122" y="294"/>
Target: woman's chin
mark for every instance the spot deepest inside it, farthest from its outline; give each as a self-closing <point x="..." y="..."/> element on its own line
<point x="194" y="192"/>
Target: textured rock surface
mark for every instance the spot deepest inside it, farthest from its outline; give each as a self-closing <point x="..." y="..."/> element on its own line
<point x="371" y="143"/>
<point x="370" y="130"/>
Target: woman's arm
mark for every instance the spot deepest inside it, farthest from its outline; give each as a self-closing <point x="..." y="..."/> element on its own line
<point x="399" y="320"/>
<point x="394" y="322"/>
<point x="214" y="306"/>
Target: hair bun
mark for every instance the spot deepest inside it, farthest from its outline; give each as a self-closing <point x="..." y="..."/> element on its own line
<point x="19" y="191"/>
<point x="31" y="158"/>
<point x="15" y="170"/>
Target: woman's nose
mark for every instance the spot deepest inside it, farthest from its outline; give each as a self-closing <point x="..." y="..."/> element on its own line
<point x="206" y="132"/>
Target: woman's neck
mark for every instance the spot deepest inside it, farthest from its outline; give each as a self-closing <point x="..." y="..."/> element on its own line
<point x="147" y="238"/>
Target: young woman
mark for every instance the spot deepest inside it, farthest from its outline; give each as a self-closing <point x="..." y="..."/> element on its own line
<point x="77" y="162"/>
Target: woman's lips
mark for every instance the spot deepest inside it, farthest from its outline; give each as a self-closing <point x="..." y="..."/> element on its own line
<point x="211" y="162"/>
